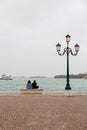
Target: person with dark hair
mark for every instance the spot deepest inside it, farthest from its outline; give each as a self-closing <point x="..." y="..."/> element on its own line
<point x="28" y="85"/>
<point x="34" y="85"/>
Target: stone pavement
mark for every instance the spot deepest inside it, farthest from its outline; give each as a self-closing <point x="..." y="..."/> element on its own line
<point x="45" y="112"/>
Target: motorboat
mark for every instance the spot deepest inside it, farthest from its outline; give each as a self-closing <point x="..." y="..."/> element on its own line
<point x="5" y="77"/>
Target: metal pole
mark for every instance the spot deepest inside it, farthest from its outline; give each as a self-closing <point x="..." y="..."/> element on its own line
<point x="67" y="84"/>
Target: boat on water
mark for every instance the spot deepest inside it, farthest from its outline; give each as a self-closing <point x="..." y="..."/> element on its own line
<point x="5" y="77"/>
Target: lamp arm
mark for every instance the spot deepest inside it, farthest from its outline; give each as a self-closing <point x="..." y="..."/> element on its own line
<point x="74" y="54"/>
<point x="61" y="54"/>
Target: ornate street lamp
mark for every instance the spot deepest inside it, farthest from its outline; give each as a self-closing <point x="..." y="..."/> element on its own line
<point x="67" y="50"/>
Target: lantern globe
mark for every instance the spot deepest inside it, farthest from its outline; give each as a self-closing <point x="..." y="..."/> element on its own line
<point x="68" y="38"/>
<point x="76" y="47"/>
<point x="58" y="47"/>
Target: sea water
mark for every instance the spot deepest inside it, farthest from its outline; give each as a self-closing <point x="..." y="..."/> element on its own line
<point x="47" y="84"/>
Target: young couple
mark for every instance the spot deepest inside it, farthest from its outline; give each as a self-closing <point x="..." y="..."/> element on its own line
<point x="31" y="86"/>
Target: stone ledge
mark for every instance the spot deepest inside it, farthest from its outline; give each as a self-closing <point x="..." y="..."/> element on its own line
<point x="31" y="91"/>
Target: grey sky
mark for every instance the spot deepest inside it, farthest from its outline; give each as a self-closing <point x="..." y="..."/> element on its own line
<point x="30" y="30"/>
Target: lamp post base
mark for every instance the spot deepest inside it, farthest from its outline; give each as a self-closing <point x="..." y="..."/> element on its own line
<point x="68" y="92"/>
<point x="67" y="87"/>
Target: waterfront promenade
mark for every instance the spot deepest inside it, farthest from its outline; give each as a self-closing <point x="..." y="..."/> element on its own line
<point x="43" y="112"/>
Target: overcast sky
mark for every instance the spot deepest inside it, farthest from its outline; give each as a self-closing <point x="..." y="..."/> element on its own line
<point x="30" y="30"/>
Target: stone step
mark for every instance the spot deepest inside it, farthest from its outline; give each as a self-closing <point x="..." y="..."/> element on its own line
<point x="31" y="91"/>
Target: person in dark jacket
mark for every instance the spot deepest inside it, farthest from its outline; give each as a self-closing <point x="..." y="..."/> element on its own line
<point x="34" y="85"/>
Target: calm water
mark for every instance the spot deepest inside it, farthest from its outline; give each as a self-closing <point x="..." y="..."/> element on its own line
<point x="47" y="84"/>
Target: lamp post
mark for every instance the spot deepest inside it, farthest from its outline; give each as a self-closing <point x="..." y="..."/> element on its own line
<point x="67" y="50"/>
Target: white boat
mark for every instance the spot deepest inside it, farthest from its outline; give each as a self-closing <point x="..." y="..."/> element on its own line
<point x="5" y="77"/>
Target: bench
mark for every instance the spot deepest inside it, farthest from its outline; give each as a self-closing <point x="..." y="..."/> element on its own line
<point x="31" y="91"/>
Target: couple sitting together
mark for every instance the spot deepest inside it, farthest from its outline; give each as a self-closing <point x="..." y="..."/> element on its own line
<point x="31" y="86"/>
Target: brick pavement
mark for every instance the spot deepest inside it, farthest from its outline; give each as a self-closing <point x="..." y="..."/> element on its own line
<point x="43" y="112"/>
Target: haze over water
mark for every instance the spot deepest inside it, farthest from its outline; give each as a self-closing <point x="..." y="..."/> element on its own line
<point x="30" y="30"/>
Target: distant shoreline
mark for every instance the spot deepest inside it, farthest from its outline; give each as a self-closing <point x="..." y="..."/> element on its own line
<point x="76" y="76"/>
<point x="38" y="77"/>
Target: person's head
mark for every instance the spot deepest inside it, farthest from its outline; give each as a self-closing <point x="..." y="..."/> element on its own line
<point x="34" y="81"/>
<point x="29" y="81"/>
